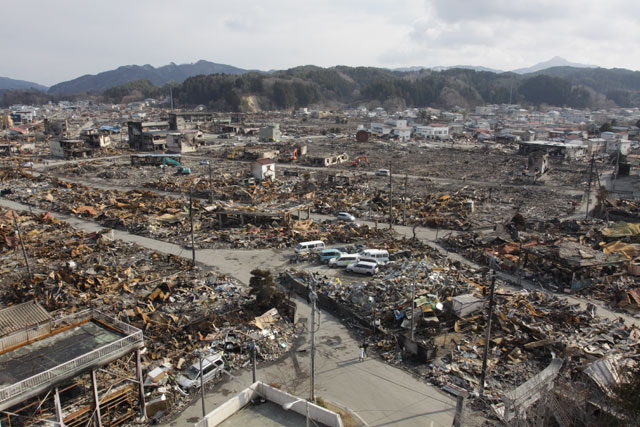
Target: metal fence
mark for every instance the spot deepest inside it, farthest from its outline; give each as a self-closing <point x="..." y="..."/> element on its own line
<point x="133" y="337"/>
<point x="31" y="333"/>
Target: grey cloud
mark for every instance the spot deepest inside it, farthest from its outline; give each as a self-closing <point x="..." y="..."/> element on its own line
<point x="244" y="24"/>
<point x="87" y="37"/>
<point x="453" y="35"/>
<point x="490" y="10"/>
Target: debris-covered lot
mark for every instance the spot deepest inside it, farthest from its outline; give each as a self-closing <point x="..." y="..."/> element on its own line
<point x="179" y="308"/>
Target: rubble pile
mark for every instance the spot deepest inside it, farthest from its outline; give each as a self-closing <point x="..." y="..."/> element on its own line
<point x="530" y="329"/>
<point x="135" y="211"/>
<point x="165" y="218"/>
<point x="385" y="300"/>
<point x="422" y="202"/>
<point x="536" y="203"/>
<point x="440" y="161"/>
<point x="584" y="257"/>
<point x="619" y="209"/>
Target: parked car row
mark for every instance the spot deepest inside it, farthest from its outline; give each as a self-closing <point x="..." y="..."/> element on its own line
<point x="365" y="261"/>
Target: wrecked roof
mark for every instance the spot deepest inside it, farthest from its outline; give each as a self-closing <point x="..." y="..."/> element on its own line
<point x="20" y="316"/>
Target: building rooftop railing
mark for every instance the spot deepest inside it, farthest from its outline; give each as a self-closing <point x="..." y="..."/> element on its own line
<point x="133" y="338"/>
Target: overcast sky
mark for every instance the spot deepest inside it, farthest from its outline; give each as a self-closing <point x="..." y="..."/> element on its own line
<point x="49" y="41"/>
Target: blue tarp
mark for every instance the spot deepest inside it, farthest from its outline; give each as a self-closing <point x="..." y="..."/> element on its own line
<point x="115" y="129"/>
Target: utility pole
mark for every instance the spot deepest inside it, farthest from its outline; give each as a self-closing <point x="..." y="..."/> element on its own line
<point x="586" y="215"/>
<point x="204" y="413"/>
<point x="253" y="359"/>
<point x="313" y="297"/>
<point x="413" y="298"/>
<point x="404" y="200"/>
<point x="193" y="246"/>
<point x="210" y="185"/>
<point x="615" y="177"/>
<point x="487" y="336"/>
<point x="390" y="199"/>
<point x="24" y="251"/>
<point x="373" y="316"/>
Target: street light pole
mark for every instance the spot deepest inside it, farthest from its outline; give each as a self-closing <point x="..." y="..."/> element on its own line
<point x="288" y="406"/>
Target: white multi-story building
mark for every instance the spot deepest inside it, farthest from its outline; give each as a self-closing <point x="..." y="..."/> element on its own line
<point x="381" y="128"/>
<point x="402" y="133"/>
<point x="433" y="131"/>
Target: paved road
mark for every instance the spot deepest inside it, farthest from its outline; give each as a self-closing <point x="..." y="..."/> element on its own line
<point x="379" y="393"/>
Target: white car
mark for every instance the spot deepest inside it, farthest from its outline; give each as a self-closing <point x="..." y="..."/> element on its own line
<point x="363" y="267"/>
<point x="383" y="172"/>
<point x="344" y="260"/>
<point x="345" y="216"/>
<point x="212" y="367"/>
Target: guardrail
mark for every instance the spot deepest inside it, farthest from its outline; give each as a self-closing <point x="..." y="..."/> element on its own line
<point x="134" y="336"/>
<point x="31" y="333"/>
<point x="38" y="330"/>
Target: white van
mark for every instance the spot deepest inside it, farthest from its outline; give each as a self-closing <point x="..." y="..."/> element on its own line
<point x="379" y="256"/>
<point x="308" y="247"/>
<point x="344" y="260"/>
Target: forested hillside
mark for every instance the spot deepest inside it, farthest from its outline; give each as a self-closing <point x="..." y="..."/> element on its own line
<point x="308" y="86"/>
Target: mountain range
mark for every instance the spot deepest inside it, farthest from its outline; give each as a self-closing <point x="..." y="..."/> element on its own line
<point x="556" y="61"/>
<point x="158" y="76"/>
<point x="97" y="83"/>
<point x="9" y="84"/>
<point x="446" y="67"/>
<point x="227" y="88"/>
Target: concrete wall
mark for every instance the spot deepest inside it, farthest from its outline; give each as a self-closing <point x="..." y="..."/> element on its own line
<point x="229" y="408"/>
<point x="316" y="412"/>
<point x="274" y="395"/>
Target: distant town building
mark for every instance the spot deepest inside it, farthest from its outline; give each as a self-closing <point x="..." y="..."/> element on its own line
<point x="264" y="169"/>
<point x="433" y="131"/>
<point x="270" y="133"/>
<point x="194" y="120"/>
